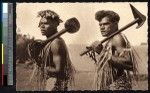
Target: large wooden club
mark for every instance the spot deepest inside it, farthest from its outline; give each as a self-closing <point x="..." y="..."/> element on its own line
<point x="72" y="25"/>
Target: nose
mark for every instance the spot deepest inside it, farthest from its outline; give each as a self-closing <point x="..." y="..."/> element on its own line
<point x="102" y="27"/>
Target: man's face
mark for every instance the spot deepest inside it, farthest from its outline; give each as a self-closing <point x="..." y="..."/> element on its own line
<point x="47" y="26"/>
<point x="107" y="27"/>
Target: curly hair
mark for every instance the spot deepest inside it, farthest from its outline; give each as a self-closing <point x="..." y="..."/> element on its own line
<point x="114" y="17"/>
<point x="49" y="14"/>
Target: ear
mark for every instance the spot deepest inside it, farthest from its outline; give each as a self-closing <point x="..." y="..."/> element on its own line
<point x="56" y="23"/>
<point x="116" y="25"/>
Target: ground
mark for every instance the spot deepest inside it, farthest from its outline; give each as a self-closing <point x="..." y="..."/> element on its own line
<point x="23" y="74"/>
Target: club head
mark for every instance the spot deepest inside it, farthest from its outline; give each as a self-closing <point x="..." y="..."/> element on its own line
<point x="138" y="15"/>
<point x="72" y="25"/>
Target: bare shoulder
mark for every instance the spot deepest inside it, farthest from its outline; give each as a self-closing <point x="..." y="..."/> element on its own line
<point x="118" y="41"/>
<point x="58" y="44"/>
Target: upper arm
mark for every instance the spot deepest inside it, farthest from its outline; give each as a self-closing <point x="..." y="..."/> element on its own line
<point x="58" y="51"/>
<point x="124" y="57"/>
<point x="119" y="43"/>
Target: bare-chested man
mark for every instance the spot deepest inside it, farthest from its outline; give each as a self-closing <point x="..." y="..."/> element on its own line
<point x="115" y="59"/>
<point x="53" y="60"/>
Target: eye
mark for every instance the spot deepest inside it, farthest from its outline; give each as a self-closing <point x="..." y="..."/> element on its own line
<point x="106" y="23"/>
<point x="100" y="24"/>
<point x="46" y="23"/>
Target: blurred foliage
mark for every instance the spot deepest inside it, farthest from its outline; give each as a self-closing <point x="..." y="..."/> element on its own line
<point x="22" y="42"/>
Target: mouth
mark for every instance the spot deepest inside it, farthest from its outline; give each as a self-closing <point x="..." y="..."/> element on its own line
<point x="43" y="32"/>
<point x="42" y="29"/>
<point x="103" y="32"/>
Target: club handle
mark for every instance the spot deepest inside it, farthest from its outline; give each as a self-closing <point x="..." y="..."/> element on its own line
<point x="84" y="52"/>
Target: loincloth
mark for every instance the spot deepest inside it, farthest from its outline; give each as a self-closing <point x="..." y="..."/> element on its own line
<point x="122" y="83"/>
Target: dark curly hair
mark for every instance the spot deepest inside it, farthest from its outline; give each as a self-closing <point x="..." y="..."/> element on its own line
<point x="49" y="14"/>
<point x="114" y="17"/>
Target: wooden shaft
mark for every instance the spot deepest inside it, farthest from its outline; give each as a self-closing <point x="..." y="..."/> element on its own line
<point x="117" y="32"/>
<point x="54" y="36"/>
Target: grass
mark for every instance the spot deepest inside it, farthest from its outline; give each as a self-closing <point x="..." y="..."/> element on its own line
<point x="83" y="80"/>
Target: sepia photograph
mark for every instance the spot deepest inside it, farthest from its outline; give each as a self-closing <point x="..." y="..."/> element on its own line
<point x="81" y="46"/>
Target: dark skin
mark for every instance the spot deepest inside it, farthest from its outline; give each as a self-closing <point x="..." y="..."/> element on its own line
<point x="118" y="44"/>
<point x="124" y="62"/>
<point x="58" y="51"/>
<point x="48" y="28"/>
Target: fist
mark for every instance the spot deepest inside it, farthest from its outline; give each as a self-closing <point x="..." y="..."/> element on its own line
<point x="96" y="46"/>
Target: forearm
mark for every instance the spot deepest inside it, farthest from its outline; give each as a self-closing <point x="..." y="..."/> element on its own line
<point x="122" y="62"/>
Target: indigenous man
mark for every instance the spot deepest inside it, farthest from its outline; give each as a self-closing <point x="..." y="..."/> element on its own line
<point x="115" y="57"/>
<point x="56" y="70"/>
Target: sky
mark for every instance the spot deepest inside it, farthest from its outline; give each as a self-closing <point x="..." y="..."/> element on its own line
<point x="27" y="20"/>
<point x="5" y="7"/>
